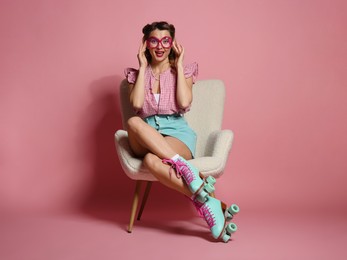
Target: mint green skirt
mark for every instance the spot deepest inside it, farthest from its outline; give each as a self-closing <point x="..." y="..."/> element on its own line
<point x="175" y="126"/>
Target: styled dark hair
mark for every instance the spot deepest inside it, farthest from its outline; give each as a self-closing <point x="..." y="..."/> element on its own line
<point x="162" y="25"/>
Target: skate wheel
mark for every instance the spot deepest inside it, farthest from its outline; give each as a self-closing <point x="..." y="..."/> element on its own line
<point x="228" y="216"/>
<point x="233" y="209"/>
<point x="231" y="228"/>
<point x="226" y="237"/>
<point x="209" y="188"/>
<point x="202" y="196"/>
<point x="211" y="180"/>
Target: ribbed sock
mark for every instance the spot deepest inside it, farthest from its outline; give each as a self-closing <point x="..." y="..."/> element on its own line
<point x="175" y="157"/>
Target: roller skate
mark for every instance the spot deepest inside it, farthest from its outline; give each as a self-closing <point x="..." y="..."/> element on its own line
<point x="216" y="215"/>
<point x="200" y="187"/>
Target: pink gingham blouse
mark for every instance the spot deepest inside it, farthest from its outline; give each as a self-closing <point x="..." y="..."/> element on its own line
<point x="167" y="103"/>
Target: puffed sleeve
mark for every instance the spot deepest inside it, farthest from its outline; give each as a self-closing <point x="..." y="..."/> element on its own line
<point x="131" y="75"/>
<point x="191" y="70"/>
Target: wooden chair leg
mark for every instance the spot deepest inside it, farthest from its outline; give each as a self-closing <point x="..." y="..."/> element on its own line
<point x="134" y="205"/>
<point x="144" y="200"/>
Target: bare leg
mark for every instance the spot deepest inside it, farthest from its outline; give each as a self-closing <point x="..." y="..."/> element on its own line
<point x="162" y="173"/>
<point x="147" y="142"/>
<point x="143" y="139"/>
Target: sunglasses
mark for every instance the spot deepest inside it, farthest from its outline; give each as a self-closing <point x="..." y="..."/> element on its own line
<point x="153" y="42"/>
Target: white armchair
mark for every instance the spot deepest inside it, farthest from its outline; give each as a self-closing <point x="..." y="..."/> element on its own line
<point x="205" y="117"/>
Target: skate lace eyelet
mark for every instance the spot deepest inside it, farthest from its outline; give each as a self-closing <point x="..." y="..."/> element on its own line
<point x="182" y="169"/>
<point x="206" y="213"/>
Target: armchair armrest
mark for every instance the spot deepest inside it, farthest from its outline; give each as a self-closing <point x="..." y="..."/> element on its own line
<point x="217" y="151"/>
<point x="131" y="165"/>
<point x="219" y="143"/>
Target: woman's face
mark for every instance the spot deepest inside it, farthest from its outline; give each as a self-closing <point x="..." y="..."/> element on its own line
<point x="159" y="45"/>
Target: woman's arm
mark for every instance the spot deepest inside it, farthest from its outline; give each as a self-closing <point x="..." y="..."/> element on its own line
<point x="184" y="93"/>
<point x="137" y="90"/>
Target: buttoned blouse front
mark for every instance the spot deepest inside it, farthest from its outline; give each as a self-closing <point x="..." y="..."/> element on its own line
<point x="167" y="104"/>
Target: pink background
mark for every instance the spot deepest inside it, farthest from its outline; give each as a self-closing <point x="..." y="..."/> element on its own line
<point x="283" y="64"/>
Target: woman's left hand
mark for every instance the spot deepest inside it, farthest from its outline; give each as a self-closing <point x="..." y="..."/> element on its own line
<point x="179" y="51"/>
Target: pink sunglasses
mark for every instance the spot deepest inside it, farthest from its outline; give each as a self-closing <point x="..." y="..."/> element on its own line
<point x="153" y="42"/>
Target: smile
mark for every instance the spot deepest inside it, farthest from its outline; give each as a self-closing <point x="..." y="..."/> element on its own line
<point x="159" y="53"/>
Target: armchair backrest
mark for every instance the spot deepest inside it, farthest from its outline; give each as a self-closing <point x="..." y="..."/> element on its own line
<point x="205" y="116"/>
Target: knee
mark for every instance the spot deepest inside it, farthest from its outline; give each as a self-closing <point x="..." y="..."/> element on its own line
<point x="134" y="123"/>
<point x="151" y="161"/>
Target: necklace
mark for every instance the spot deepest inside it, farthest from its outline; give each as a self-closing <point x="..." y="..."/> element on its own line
<point x="157" y="76"/>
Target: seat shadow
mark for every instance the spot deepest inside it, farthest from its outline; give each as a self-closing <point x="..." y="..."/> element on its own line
<point x="99" y="123"/>
<point x="184" y="226"/>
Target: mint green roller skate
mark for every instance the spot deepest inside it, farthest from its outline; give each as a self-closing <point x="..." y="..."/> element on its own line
<point x="199" y="187"/>
<point x="215" y="214"/>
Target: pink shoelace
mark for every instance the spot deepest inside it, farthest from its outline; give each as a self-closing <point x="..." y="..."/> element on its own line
<point x="205" y="212"/>
<point x="182" y="169"/>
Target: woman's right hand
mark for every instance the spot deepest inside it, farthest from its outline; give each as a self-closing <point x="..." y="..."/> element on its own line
<point x="141" y="56"/>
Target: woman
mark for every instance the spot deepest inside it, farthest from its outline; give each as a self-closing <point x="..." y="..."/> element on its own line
<point x="161" y="92"/>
